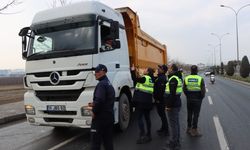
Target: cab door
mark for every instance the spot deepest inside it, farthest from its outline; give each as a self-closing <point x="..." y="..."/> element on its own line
<point x="108" y="56"/>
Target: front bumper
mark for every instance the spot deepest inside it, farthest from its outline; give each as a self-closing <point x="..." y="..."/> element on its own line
<point x="72" y="117"/>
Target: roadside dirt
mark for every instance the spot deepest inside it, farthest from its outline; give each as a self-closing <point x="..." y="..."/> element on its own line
<point x="11" y="93"/>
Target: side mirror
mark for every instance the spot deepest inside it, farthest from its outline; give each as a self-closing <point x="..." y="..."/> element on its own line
<point x="24" y="45"/>
<point x="114" y="29"/>
<point x="24" y="54"/>
<point x="24" y="31"/>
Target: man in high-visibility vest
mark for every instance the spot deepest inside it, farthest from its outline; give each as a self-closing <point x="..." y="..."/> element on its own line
<point x="194" y="89"/>
<point x="173" y="105"/>
<point x="143" y="100"/>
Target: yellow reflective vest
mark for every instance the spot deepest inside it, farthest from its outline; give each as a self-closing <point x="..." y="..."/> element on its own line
<point x="179" y="86"/>
<point x="147" y="86"/>
<point x="193" y="82"/>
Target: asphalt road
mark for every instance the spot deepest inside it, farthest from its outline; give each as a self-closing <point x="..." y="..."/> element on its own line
<point x="224" y="123"/>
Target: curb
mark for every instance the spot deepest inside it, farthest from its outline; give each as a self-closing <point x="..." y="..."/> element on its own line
<point x="12" y="118"/>
<point x="242" y="82"/>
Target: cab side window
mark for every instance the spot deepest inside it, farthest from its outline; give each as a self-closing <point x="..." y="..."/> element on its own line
<point x="105" y="31"/>
<point x="106" y="39"/>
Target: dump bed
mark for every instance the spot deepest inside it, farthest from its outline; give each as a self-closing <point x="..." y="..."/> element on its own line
<point x="144" y="51"/>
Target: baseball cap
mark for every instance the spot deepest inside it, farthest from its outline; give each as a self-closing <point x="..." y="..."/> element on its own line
<point x="163" y="67"/>
<point x="101" y="67"/>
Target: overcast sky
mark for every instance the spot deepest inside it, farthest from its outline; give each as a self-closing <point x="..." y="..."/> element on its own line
<point x="185" y="26"/>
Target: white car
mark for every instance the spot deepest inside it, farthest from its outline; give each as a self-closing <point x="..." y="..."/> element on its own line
<point x="207" y="73"/>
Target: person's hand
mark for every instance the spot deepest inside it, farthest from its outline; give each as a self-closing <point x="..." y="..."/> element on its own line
<point x="133" y="67"/>
<point x="168" y="109"/>
<point x="93" y="115"/>
<point x="91" y="104"/>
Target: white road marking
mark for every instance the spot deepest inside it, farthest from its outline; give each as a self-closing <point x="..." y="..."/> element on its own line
<point x="220" y="134"/>
<point x="65" y="142"/>
<point x="206" y="89"/>
<point x="210" y="100"/>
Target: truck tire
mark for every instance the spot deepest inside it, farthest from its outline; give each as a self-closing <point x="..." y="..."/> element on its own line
<point x="124" y="112"/>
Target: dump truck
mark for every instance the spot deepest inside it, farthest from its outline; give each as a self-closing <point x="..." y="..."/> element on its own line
<point x="61" y="48"/>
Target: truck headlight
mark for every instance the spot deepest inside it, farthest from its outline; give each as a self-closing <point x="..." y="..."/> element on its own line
<point x="27" y="84"/>
<point x="30" y="110"/>
<point x="86" y="111"/>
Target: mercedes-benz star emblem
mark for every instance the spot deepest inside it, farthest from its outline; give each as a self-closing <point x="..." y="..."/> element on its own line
<point x="54" y="78"/>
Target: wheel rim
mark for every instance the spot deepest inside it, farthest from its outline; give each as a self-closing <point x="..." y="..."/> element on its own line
<point x="125" y="109"/>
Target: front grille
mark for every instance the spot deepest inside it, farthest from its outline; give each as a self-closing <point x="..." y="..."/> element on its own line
<point x="60" y="112"/>
<point x="47" y="74"/>
<point x="44" y="74"/>
<point x="68" y="120"/>
<point x="73" y="72"/>
<point x="66" y="82"/>
<point x="69" y="95"/>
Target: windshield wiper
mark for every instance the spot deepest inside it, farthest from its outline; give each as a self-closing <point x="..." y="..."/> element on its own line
<point x="36" y="54"/>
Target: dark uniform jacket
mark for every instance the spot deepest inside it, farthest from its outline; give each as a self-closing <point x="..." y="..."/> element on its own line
<point x="173" y="100"/>
<point x="141" y="99"/>
<point x="159" y="88"/>
<point x="195" y="95"/>
<point x="104" y="97"/>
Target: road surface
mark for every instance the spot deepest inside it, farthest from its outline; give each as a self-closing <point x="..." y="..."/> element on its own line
<point x="224" y="122"/>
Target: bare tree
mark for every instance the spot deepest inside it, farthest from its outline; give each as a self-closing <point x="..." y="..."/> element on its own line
<point x="8" y="5"/>
<point x="56" y="3"/>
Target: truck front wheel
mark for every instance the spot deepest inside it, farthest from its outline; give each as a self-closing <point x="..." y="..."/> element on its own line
<point x="124" y="112"/>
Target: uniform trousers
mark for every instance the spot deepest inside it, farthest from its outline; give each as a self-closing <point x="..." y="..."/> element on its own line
<point x="161" y="112"/>
<point x="193" y="108"/>
<point x="102" y="132"/>
<point x="144" y="113"/>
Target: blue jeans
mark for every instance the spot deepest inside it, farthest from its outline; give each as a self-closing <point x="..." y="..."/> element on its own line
<point x="173" y="116"/>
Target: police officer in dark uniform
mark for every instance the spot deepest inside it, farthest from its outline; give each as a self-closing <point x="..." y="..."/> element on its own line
<point x="158" y="94"/>
<point x="103" y="115"/>
<point x="194" y="89"/>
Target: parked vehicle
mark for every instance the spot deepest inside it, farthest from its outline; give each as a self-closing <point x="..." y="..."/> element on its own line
<point x="61" y="48"/>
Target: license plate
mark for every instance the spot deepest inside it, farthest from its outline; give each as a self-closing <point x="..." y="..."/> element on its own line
<point x="56" y="107"/>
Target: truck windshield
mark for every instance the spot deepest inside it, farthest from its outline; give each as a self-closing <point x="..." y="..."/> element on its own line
<point x="62" y="41"/>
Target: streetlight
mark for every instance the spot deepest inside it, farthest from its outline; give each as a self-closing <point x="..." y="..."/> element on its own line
<point x="220" y="37"/>
<point x="214" y="47"/>
<point x="236" y="17"/>
<point x="210" y="59"/>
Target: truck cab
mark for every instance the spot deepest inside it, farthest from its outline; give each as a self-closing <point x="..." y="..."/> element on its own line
<point x="61" y="48"/>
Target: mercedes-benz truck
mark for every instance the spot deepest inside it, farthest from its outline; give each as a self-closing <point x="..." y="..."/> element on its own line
<point x="61" y="48"/>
